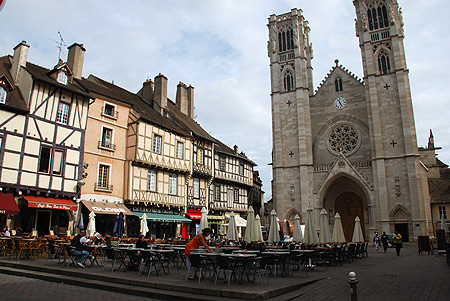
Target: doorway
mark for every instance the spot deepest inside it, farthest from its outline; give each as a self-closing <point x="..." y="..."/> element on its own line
<point x="43" y="219"/>
<point x="403" y="230"/>
<point x="349" y="205"/>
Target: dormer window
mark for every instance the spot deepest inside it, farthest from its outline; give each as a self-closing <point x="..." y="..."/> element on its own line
<point x="62" y="78"/>
<point x="3" y="94"/>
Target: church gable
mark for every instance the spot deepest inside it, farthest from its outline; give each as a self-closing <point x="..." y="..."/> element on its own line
<point x="337" y="80"/>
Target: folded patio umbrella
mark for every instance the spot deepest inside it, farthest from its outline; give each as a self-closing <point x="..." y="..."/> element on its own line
<point x="91" y="224"/>
<point x="324" y="232"/>
<point x="144" y="225"/>
<point x="119" y="226"/>
<point x="338" y="232"/>
<point x="204" y="219"/>
<point x="259" y="236"/>
<point x="357" y="231"/>
<point x="232" y="233"/>
<point x="298" y="235"/>
<point x="310" y="237"/>
<point x="250" y="229"/>
<point x="274" y="236"/>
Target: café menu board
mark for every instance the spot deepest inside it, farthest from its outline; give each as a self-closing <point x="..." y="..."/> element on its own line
<point x="424" y="244"/>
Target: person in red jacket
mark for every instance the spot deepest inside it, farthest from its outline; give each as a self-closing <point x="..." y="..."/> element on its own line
<point x="195" y="243"/>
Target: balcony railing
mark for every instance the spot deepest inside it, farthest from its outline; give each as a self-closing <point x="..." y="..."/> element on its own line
<point x="111" y="113"/>
<point x="106" y="145"/>
<point x="103" y="187"/>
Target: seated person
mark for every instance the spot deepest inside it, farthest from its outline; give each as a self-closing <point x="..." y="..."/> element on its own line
<point x="140" y="244"/>
<point x="19" y="231"/>
<point x="107" y="239"/>
<point x="5" y="232"/>
<point x="98" y="239"/>
<point x="78" y="242"/>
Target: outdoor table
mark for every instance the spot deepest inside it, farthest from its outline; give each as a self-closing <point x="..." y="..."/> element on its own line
<point x="246" y="252"/>
<point x="94" y="251"/>
<point x="281" y="257"/>
<point x="242" y="261"/>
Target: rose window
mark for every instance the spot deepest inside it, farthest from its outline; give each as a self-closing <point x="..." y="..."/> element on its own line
<point x="343" y="139"/>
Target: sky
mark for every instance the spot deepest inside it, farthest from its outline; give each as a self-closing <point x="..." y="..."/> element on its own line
<point x="220" y="48"/>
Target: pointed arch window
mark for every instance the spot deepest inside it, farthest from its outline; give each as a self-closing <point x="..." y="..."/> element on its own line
<point x="384" y="65"/>
<point x="285" y="40"/>
<point x="378" y="17"/>
<point x="338" y="84"/>
<point x="288" y="81"/>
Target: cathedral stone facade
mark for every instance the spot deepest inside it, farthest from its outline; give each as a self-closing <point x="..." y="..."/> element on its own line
<point x="349" y="147"/>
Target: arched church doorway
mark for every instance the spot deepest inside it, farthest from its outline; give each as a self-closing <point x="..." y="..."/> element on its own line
<point x="349" y="205"/>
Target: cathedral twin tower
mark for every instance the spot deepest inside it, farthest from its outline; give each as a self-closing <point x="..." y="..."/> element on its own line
<point x="350" y="147"/>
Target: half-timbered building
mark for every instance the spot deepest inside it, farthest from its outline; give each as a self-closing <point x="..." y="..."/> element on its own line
<point x="42" y="128"/>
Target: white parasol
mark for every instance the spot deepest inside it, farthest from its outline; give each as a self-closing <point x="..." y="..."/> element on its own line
<point x="232" y="233"/>
<point x="357" y="232"/>
<point x="144" y="224"/>
<point x="338" y="231"/>
<point x="274" y="236"/>
<point x="324" y="233"/>
<point x="298" y="235"/>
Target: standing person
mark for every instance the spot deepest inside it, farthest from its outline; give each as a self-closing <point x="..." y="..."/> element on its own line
<point x="195" y="243"/>
<point x="398" y="242"/>
<point x="78" y="242"/>
<point x="385" y="241"/>
<point x="376" y="240"/>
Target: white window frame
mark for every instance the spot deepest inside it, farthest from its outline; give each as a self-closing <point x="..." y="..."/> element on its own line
<point x="100" y="175"/>
<point x="111" y="142"/>
<point x="173" y="183"/>
<point x="3" y="94"/>
<point x="157" y="144"/>
<point x="217" y="192"/>
<point x="114" y="109"/>
<point x="442" y="209"/>
<point x="62" y="115"/>
<point x="62" y="78"/>
<point x="200" y="155"/>
<point x="196" y="187"/>
<point x="58" y="162"/>
<point x="222" y="163"/>
<point x="180" y="149"/>
<point x="151" y="180"/>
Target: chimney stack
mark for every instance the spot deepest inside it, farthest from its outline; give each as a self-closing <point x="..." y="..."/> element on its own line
<point x="236" y="149"/>
<point x="190" y="101"/>
<point x="160" y="93"/>
<point x="75" y="59"/>
<point x="19" y="60"/>
<point x="147" y="90"/>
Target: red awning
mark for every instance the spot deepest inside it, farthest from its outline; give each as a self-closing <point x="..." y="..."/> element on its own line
<point x="49" y="203"/>
<point x="194" y="214"/>
<point x="8" y="204"/>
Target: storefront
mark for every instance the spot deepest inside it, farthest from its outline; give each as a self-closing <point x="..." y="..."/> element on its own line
<point x="190" y="230"/>
<point x="163" y="225"/>
<point x="43" y="214"/>
<point x="8" y="207"/>
<point x="105" y="214"/>
<point x="215" y="222"/>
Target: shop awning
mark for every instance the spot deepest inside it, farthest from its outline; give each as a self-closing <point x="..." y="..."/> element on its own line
<point x="162" y="217"/>
<point x="50" y="203"/>
<point x="8" y="204"/>
<point x="194" y="214"/>
<point x="106" y="208"/>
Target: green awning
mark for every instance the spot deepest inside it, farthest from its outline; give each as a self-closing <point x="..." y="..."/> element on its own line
<point x="161" y="217"/>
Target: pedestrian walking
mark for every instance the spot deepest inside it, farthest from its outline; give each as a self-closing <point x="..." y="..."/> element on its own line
<point x="398" y="242"/>
<point x="376" y="240"/>
<point x="385" y="241"/>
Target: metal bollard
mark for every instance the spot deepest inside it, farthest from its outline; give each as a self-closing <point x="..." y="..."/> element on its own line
<point x="353" y="283"/>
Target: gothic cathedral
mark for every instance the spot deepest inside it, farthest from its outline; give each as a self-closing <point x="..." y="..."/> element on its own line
<point x="349" y="147"/>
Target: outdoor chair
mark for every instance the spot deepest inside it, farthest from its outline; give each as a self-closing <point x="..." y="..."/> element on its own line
<point x="151" y="261"/>
<point x="297" y="260"/>
<point x="196" y="262"/>
<point x="269" y="261"/>
<point x="167" y="259"/>
<point x="318" y="258"/>
<point x="350" y="252"/>
<point x="111" y="255"/>
<point x="71" y="256"/>
<point x="258" y="265"/>
<point x="365" y="252"/>
<point x="226" y="265"/>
